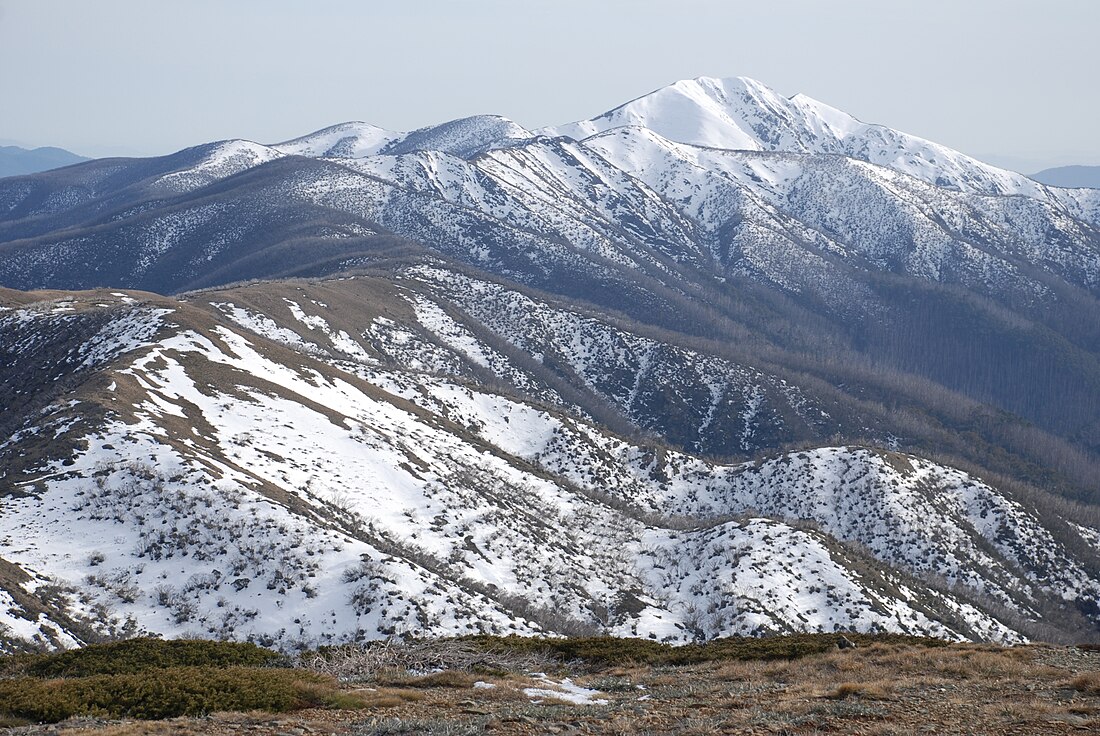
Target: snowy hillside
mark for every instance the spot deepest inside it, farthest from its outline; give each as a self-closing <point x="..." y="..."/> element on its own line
<point x="214" y="469"/>
<point x="465" y="137"/>
<point x="221" y="160"/>
<point x="347" y="140"/>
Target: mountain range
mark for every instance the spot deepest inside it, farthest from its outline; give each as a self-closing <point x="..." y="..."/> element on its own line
<point x="15" y="161"/>
<point x="714" y="362"/>
<point x="1070" y="176"/>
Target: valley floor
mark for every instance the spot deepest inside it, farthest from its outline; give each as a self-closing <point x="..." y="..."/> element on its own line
<point x="873" y="689"/>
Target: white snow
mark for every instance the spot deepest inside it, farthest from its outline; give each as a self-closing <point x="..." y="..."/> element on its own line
<point x="565" y="691"/>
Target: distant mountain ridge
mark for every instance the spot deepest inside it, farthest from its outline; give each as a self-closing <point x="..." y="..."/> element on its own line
<point x="16" y="161"/>
<point x="1070" y="176"/>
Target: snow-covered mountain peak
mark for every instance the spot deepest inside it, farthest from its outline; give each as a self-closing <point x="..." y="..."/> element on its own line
<point x="731" y="113"/>
<point x="701" y="111"/>
<point x="218" y="151"/>
<point x="465" y="137"/>
<point x="216" y="161"/>
<point x="346" y="140"/>
<point x="739" y="113"/>
<point x="829" y="121"/>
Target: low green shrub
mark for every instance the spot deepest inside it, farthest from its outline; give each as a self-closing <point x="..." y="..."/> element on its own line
<point x="607" y="650"/>
<point x="168" y="693"/>
<point x="448" y="678"/>
<point x="139" y="655"/>
<point x="13" y="722"/>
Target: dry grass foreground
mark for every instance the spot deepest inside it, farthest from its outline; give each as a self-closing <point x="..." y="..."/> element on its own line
<point x="879" y="687"/>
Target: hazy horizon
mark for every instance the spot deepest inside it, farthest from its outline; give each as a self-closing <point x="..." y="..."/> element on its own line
<point x="1000" y="81"/>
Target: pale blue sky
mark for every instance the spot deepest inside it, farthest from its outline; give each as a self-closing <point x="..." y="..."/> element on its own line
<point x="1007" y="80"/>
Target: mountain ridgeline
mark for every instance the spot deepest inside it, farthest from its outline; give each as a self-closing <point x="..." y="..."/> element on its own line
<point x="714" y="362"/>
<point x="16" y="161"/>
<point x="1070" y="176"/>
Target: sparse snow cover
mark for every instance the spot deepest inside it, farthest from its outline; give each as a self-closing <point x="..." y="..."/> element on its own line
<point x="433" y="317"/>
<point x="263" y="325"/>
<point x="127" y="333"/>
<point x="341" y="341"/>
<point x="740" y="399"/>
<point x="17" y="626"/>
<point x="1092" y="535"/>
<point x="465" y="137"/>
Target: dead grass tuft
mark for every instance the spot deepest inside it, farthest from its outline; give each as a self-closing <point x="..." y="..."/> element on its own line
<point x="386" y="697"/>
<point x="866" y="690"/>
<point x="1086" y="682"/>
